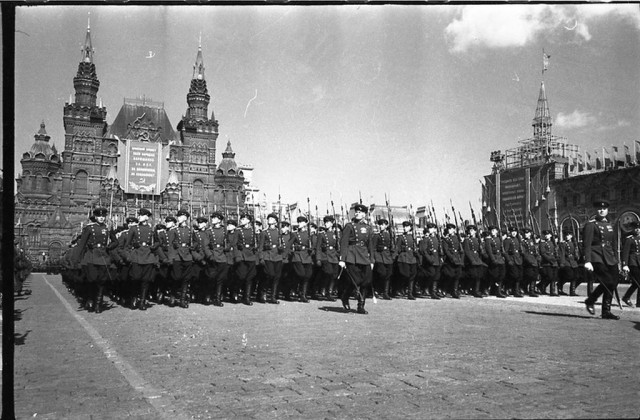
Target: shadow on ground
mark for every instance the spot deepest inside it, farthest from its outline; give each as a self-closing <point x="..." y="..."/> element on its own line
<point x="559" y="314"/>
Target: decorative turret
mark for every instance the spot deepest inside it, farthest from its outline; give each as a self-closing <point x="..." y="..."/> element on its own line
<point x="198" y="96"/>
<point x="39" y="165"/>
<point x="542" y="121"/>
<point x="228" y="165"/>
<point x="86" y="82"/>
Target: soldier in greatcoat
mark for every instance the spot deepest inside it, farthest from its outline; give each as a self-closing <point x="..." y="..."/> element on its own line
<point x="631" y="264"/>
<point x="142" y="244"/>
<point x="383" y="257"/>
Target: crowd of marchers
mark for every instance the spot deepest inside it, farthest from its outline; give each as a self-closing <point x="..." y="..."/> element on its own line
<point x="212" y="261"/>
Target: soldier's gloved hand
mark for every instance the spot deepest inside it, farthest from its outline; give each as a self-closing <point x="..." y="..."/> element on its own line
<point x="261" y="262"/>
<point x="342" y="264"/>
<point x="625" y="268"/>
<point x="319" y="263"/>
<point x="588" y="266"/>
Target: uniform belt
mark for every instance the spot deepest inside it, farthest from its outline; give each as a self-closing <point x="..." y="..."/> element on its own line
<point x="218" y="246"/>
<point x="247" y="246"/>
<point x="183" y="244"/>
<point x="98" y="245"/>
<point x="360" y="243"/>
<point x="144" y="244"/>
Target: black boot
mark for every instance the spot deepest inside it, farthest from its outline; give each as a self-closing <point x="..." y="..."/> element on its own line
<point x="184" y="299"/>
<point x="476" y="289"/>
<point x="217" y="301"/>
<point x="434" y="290"/>
<point x="572" y="288"/>
<point x="303" y="292"/>
<point x="532" y="289"/>
<point x="361" y="309"/>
<point x="606" y="308"/>
<point x="516" y="290"/>
<point x="246" y="299"/>
<point x="274" y="294"/>
<point x="409" y="293"/>
<point x="345" y="300"/>
<point x="329" y="296"/>
<point x="99" y="298"/>
<point x="499" y="292"/>
<point x="590" y="285"/>
<point x="142" y="304"/>
<point x="552" y="289"/>
<point x="454" y="290"/>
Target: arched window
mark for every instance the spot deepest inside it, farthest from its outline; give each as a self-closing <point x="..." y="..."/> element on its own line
<point x="33" y="235"/>
<point x="80" y="183"/>
<point x="198" y="190"/>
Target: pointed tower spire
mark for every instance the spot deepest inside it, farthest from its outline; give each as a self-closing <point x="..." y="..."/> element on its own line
<point x="87" y="49"/>
<point x="228" y="153"/>
<point x="198" y="96"/>
<point x="542" y="121"/>
<point x="198" y="67"/>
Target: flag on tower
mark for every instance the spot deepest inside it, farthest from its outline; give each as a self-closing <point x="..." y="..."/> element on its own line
<point x="545" y="61"/>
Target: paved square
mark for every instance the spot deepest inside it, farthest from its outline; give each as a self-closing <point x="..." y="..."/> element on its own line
<point x="468" y="358"/>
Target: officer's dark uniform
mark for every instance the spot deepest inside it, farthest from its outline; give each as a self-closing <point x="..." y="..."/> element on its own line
<point x="94" y="244"/>
<point x="407" y="249"/>
<point x="598" y="250"/>
<point x="530" y="261"/>
<point x="270" y="251"/>
<point x="327" y="256"/>
<point x="140" y="241"/>
<point x="356" y="251"/>
<point x="568" y="265"/>
<point x="548" y="265"/>
<point x="384" y="252"/>
<point x="163" y="281"/>
<point x="513" y="260"/>
<point x="217" y="267"/>
<point x="495" y="255"/>
<point x="121" y="287"/>
<point x="453" y="260"/>
<point x="631" y="260"/>
<point x="200" y="281"/>
<point x="301" y="260"/>
<point x="182" y="272"/>
<point x="246" y="258"/>
<point x="230" y="252"/>
<point x="431" y="260"/>
<point x="472" y="248"/>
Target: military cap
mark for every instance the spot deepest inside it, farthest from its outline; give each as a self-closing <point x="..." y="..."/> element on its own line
<point x="526" y="230"/>
<point x="567" y="232"/>
<point x="322" y="229"/>
<point x="546" y="232"/>
<point x="273" y="216"/>
<point x="258" y="223"/>
<point x="512" y="229"/>
<point x="170" y="219"/>
<point x="183" y="213"/>
<point x="382" y="222"/>
<point x="492" y="227"/>
<point x="328" y="218"/>
<point x="201" y="219"/>
<point x="301" y="219"/>
<point x="232" y="222"/>
<point x="284" y="223"/>
<point x="361" y="207"/>
<point x="218" y="215"/>
<point x="431" y="225"/>
<point x="313" y="225"/>
<point x="246" y="216"/>
<point x="160" y="226"/>
<point x="100" y="211"/>
<point x="144" y="212"/>
<point x="601" y="204"/>
<point x="406" y="223"/>
<point x="450" y="226"/>
<point x="131" y="219"/>
<point x="469" y="227"/>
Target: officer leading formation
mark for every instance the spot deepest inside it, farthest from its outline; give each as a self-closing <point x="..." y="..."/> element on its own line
<point x="213" y="261"/>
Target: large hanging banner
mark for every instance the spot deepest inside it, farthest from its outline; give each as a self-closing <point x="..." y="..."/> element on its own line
<point x="143" y="167"/>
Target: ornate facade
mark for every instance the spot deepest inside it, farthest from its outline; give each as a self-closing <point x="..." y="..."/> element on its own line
<point x="56" y="192"/>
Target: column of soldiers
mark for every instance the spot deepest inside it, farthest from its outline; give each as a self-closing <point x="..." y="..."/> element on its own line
<point x="217" y="260"/>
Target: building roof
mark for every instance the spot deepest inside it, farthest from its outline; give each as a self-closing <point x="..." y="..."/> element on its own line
<point x="140" y="117"/>
<point x="42" y="145"/>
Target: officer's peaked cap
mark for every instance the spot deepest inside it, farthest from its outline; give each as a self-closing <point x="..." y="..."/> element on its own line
<point x="328" y="218"/>
<point x="469" y="227"/>
<point x="284" y="223"/>
<point x="232" y="222"/>
<point x="201" y="219"/>
<point x="144" y="212"/>
<point x="246" y="216"/>
<point x="100" y="211"/>
<point x="382" y="222"/>
<point x="170" y="219"/>
<point x="361" y="207"/>
<point x="218" y="215"/>
<point x="406" y="223"/>
<point x="450" y="226"/>
<point x="301" y="219"/>
<point x="131" y="219"/>
<point x="492" y="227"/>
<point x="601" y="204"/>
<point x="273" y="216"/>
<point x="546" y="232"/>
<point x="183" y="213"/>
<point x="431" y="225"/>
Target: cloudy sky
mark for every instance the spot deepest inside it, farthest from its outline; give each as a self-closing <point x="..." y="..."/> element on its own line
<point x="327" y="101"/>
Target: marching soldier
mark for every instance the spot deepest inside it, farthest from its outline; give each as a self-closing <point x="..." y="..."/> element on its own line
<point x="94" y="243"/>
<point x="530" y="257"/>
<point x="431" y="259"/>
<point x="383" y="257"/>
<point x="548" y="264"/>
<point x="406" y="259"/>
<point x="513" y="258"/>
<point x="140" y="242"/>
<point x="631" y="264"/>
<point x="246" y="257"/>
<point x="472" y="247"/>
<point x="568" y="267"/>
<point x="201" y="242"/>
<point x="162" y="251"/>
<point x="600" y="258"/>
<point x="493" y="248"/>
<point x="301" y="260"/>
<point x="121" y="288"/>
<point x="327" y="248"/>
<point x="181" y="239"/>
<point x="230" y="252"/>
<point x="270" y="250"/>
<point x="217" y="268"/>
<point x="356" y="252"/>
<point x="285" y="279"/>
<point x="453" y="259"/>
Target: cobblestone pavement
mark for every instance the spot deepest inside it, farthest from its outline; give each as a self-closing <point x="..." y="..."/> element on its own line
<point x="468" y="358"/>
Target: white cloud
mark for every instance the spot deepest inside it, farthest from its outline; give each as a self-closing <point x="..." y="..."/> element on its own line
<point x="576" y="119"/>
<point x="500" y="26"/>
